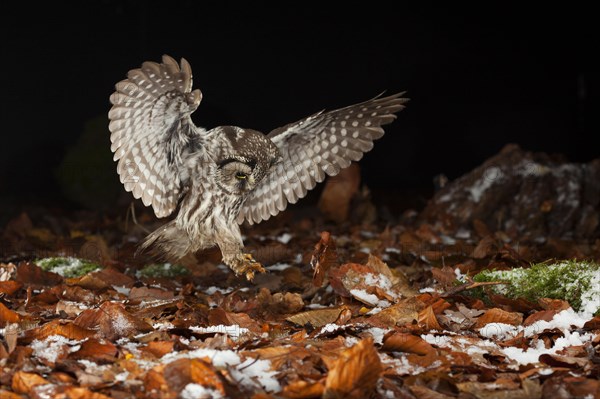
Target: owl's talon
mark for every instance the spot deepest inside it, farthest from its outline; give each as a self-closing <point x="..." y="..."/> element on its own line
<point x="247" y="265"/>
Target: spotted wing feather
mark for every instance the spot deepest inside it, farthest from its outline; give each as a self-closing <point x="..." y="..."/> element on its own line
<point x="314" y="147"/>
<point x="152" y="132"/>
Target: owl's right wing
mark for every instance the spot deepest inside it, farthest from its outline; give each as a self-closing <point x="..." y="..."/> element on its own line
<point x="152" y="132"/>
<point x="313" y="147"/>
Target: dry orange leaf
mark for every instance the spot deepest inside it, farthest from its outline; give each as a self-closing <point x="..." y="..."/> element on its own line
<point x="8" y="316"/>
<point x="484" y="248"/>
<point x="408" y="343"/>
<point x="355" y="373"/>
<point x="58" y="327"/>
<point x="496" y="315"/>
<point x="423" y="392"/>
<point x="324" y="258"/>
<point x="545" y="315"/>
<point x="30" y="274"/>
<point x="427" y="318"/>
<point x="9" y="395"/>
<point x="23" y="382"/>
<point x="529" y="389"/>
<point x="403" y="312"/>
<point x="96" y="350"/>
<point x="316" y="318"/>
<point x="8" y="288"/>
<point x="303" y="390"/>
<point x="159" y="348"/>
<point x="112" y="320"/>
<point x="185" y="371"/>
<point x="82" y="393"/>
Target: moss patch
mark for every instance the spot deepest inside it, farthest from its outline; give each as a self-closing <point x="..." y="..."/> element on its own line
<point x="162" y="270"/>
<point x="67" y="266"/>
<point x="573" y="281"/>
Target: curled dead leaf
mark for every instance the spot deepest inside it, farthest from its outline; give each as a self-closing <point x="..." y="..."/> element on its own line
<point x="159" y="348"/>
<point x="355" y="373"/>
<point x="403" y="312"/>
<point x="112" y="321"/>
<point x="31" y="275"/>
<point x="8" y="288"/>
<point x="23" y="382"/>
<point x="64" y="328"/>
<point x="303" y="390"/>
<point x="98" y="351"/>
<point x="182" y="372"/>
<point x="408" y="343"/>
<point x="316" y="318"/>
<point x="530" y="389"/>
<point x="8" y="316"/>
<point x="428" y="320"/>
<point x="323" y="259"/>
<point x="496" y="315"/>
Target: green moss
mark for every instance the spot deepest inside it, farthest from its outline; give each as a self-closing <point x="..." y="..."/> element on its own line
<point x="164" y="270"/>
<point x="67" y="266"/>
<point x="573" y="281"/>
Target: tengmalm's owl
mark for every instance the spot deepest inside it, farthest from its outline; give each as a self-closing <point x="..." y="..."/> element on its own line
<point x="227" y="175"/>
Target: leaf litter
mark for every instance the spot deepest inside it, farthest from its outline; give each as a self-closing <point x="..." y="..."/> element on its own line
<point x="353" y="309"/>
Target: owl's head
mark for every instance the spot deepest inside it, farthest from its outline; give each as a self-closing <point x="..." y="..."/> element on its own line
<point x="243" y="163"/>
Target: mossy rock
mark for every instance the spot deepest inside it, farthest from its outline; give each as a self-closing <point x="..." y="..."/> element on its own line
<point x="162" y="270"/>
<point x="577" y="282"/>
<point x="67" y="266"/>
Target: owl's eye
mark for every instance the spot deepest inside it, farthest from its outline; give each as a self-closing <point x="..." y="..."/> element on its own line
<point x="241" y="176"/>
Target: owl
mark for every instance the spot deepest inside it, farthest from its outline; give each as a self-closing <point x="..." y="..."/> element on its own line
<point x="216" y="179"/>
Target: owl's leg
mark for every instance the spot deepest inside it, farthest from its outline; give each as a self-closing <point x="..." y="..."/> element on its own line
<point x="241" y="263"/>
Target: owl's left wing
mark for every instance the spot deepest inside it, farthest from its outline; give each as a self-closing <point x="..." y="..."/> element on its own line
<point x="319" y="145"/>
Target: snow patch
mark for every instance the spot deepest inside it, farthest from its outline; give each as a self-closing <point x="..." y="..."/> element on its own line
<point x="53" y="346"/>
<point x="284" y="238"/>
<point x="197" y="391"/>
<point x="234" y="330"/>
<point x="278" y="267"/>
<point x="256" y="371"/>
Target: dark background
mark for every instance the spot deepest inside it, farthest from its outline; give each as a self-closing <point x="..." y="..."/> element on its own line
<point x="477" y="78"/>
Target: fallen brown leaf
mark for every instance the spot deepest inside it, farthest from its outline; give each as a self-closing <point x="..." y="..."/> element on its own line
<point x="31" y="275"/>
<point x="23" y="382"/>
<point x="530" y="389"/>
<point x="355" y="373"/>
<point x="403" y="312"/>
<point x="159" y="348"/>
<point x="422" y="392"/>
<point x="496" y="315"/>
<point x="303" y="390"/>
<point x="324" y="258"/>
<point x="8" y="316"/>
<point x="181" y="372"/>
<point x="316" y="318"/>
<point x="98" y="351"/>
<point x="484" y="248"/>
<point x="58" y="327"/>
<point x="9" y="395"/>
<point x="408" y="343"/>
<point x="428" y="320"/>
<point x="112" y="321"/>
<point x="9" y="288"/>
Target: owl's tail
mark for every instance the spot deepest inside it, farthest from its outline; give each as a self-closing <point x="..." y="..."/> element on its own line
<point x="168" y="242"/>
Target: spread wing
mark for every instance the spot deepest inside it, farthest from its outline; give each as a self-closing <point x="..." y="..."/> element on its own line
<point x="314" y="147"/>
<point x="152" y="132"/>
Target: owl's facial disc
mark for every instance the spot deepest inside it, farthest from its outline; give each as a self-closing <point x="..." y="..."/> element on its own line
<point x="236" y="176"/>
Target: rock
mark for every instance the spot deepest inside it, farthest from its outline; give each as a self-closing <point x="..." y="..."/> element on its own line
<point x="529" y="195"/>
